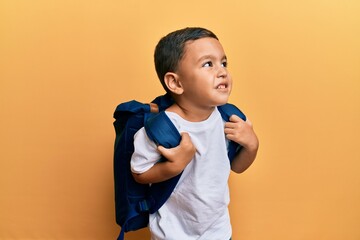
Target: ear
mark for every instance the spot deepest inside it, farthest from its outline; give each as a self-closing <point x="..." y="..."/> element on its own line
<point x="173" y="84"/>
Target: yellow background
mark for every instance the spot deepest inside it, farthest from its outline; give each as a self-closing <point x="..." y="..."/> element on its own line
<point x="65" y="65"/>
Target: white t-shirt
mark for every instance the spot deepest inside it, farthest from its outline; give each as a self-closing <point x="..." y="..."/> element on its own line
<point x="198" y="206"/>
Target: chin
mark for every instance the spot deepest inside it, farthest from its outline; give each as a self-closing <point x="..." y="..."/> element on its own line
<point x="225" y="99"/>
<point x="222" y="102"/>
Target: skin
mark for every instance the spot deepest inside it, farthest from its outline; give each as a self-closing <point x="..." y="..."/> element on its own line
<point x="201" y="83"/>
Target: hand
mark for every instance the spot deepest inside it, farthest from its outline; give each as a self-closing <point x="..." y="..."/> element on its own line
<point x="179" y="156"/>
<point x="241" y="132"/>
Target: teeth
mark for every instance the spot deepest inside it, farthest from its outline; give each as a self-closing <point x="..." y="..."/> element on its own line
<point x="221" y="87"/>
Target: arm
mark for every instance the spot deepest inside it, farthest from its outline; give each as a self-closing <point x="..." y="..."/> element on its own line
<point x="177" y="159"/>
<point x="242" y="132"/>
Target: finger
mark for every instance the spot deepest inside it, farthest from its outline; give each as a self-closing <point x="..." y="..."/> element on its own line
<point x="230" y="137"/>
<point x="163" y="151"/>
<point x="185" y="139"/>
<point x="185" y="136"/>
<point x="186" y="142"/>
<point x="228" y="130"/>
<point x="230" y="125"/>
<point x="235" y="118"/>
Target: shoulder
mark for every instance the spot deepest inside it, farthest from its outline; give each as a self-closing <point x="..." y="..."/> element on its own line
<point x="141" y="139"/>
<point x="145" y="153"/>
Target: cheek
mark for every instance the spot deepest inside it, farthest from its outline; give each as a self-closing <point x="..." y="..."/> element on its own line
<point x="230" y="82"/>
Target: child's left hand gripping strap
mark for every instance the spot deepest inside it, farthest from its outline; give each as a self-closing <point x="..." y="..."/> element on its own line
<point x="226" y="111"/>
<point x="162" y="131"/>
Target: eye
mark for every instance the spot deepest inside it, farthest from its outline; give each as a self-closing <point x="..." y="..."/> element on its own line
<point x="224" y="64"/>
<point x="208" y="64"/>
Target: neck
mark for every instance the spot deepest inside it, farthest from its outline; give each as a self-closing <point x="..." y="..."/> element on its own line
<point x="190" y="112"/>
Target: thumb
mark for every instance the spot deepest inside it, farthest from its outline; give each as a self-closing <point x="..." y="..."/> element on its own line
<point x="163" y="151"/>
<point x="185" y="137"/>
<point x="235" y="118"/>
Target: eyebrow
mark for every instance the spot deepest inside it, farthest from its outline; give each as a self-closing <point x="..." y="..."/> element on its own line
<point x="210" y="57"/>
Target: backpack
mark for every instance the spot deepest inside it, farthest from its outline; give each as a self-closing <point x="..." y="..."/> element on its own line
<point x="134" y="201"/>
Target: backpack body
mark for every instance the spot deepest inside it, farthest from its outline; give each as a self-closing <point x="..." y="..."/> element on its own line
<point x="134" y="201"/>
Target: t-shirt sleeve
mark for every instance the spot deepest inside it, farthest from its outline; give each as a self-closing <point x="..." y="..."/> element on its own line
<point x="145" y="153"/>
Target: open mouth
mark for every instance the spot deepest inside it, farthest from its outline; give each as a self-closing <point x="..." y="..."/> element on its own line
<point x="221" y="86"/>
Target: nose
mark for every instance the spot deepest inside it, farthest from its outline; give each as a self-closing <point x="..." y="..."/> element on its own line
<point x="222" y="72"/>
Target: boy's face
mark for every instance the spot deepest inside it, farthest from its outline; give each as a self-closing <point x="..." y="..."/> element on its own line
<point x="203" y="73"/>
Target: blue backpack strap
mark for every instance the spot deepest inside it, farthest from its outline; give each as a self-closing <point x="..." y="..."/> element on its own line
<point x="163" y="101"/>
<point x="226" y="111"/>
<point x="162" y="131"/>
